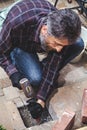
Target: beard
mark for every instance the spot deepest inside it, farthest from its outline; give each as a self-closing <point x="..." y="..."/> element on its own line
<point x="44" y="45"/>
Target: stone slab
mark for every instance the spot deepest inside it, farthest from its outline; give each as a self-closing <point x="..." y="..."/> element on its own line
<point x="24" y="98"/>
<point x="11" y="93"/>
<point x="4" y="115"/>
<point x="4" y="79"/>
<point x="59" y="101"/>
<point x="19" y="103"/>
<point x="1" y="92"/>
<point x="3" y="74"/>
<point x="70" y="95"/>
<point x="75" y="73"/>
<point x="5" y="82"/>
<point x="67" y="97"/>
<point x="45" y="126"/>
<point x="16" y="121"/>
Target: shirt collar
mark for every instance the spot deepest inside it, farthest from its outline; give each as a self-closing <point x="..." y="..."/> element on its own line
<point x="41" y="22"/>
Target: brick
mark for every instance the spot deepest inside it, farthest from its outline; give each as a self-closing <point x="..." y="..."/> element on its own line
<point x="84" y="107"/>
<point x="66" y="122"/>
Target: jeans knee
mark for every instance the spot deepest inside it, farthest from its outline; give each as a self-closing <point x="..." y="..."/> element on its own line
<point x="80" y="44"/>
<point x="17" y="51"/>
<point x="15" y="54"/>
<point x="36" y="80"/>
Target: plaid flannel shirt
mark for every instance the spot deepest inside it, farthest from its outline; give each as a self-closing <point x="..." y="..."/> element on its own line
<point x="21" y="29"/>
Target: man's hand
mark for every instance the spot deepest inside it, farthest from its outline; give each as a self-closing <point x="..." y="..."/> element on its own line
<point x="35" y="108"/>
<point x="15" y="78"/>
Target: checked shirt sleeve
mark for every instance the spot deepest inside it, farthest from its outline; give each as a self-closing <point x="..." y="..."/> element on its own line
<point x="50" y="73"/>
<point x="5" y="45"/>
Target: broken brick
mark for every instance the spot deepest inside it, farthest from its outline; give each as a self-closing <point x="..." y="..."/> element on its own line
<point x="66" y="122"/>
<point x="84" y="107"/>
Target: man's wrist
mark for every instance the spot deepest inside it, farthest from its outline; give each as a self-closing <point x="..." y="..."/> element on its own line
<point x="41" y="102"/>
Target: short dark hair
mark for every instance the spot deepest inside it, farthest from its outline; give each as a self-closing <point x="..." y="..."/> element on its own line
<point x="64" y="23"/>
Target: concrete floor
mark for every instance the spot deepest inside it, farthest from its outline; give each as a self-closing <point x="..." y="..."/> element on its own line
<point x="67" y="97"/>
<point x="70" y="95"/>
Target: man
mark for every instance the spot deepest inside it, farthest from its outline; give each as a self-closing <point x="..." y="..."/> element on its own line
<point x="32" y="27"/>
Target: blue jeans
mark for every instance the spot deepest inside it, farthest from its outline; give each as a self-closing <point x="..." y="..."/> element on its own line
<point x="29" y="65"/>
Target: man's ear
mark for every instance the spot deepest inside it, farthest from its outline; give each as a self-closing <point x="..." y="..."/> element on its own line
<point x="44" y="29"/>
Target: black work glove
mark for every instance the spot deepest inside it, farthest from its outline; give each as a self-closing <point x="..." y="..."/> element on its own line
<point x="15" y="78"/>
<point x="35" y="108"/>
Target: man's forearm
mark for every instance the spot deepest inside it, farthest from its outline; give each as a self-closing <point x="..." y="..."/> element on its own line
<point x="6" y="64"/>
<point x="41" y="102"/>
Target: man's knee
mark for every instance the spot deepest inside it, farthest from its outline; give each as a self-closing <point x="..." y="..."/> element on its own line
<point x="36" y="80"/>
<point x="15" y="53"/>
<point x="80" y="44"/>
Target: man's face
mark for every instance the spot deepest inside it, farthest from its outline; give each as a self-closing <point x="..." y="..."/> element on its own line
<point x="51" y="43"/>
